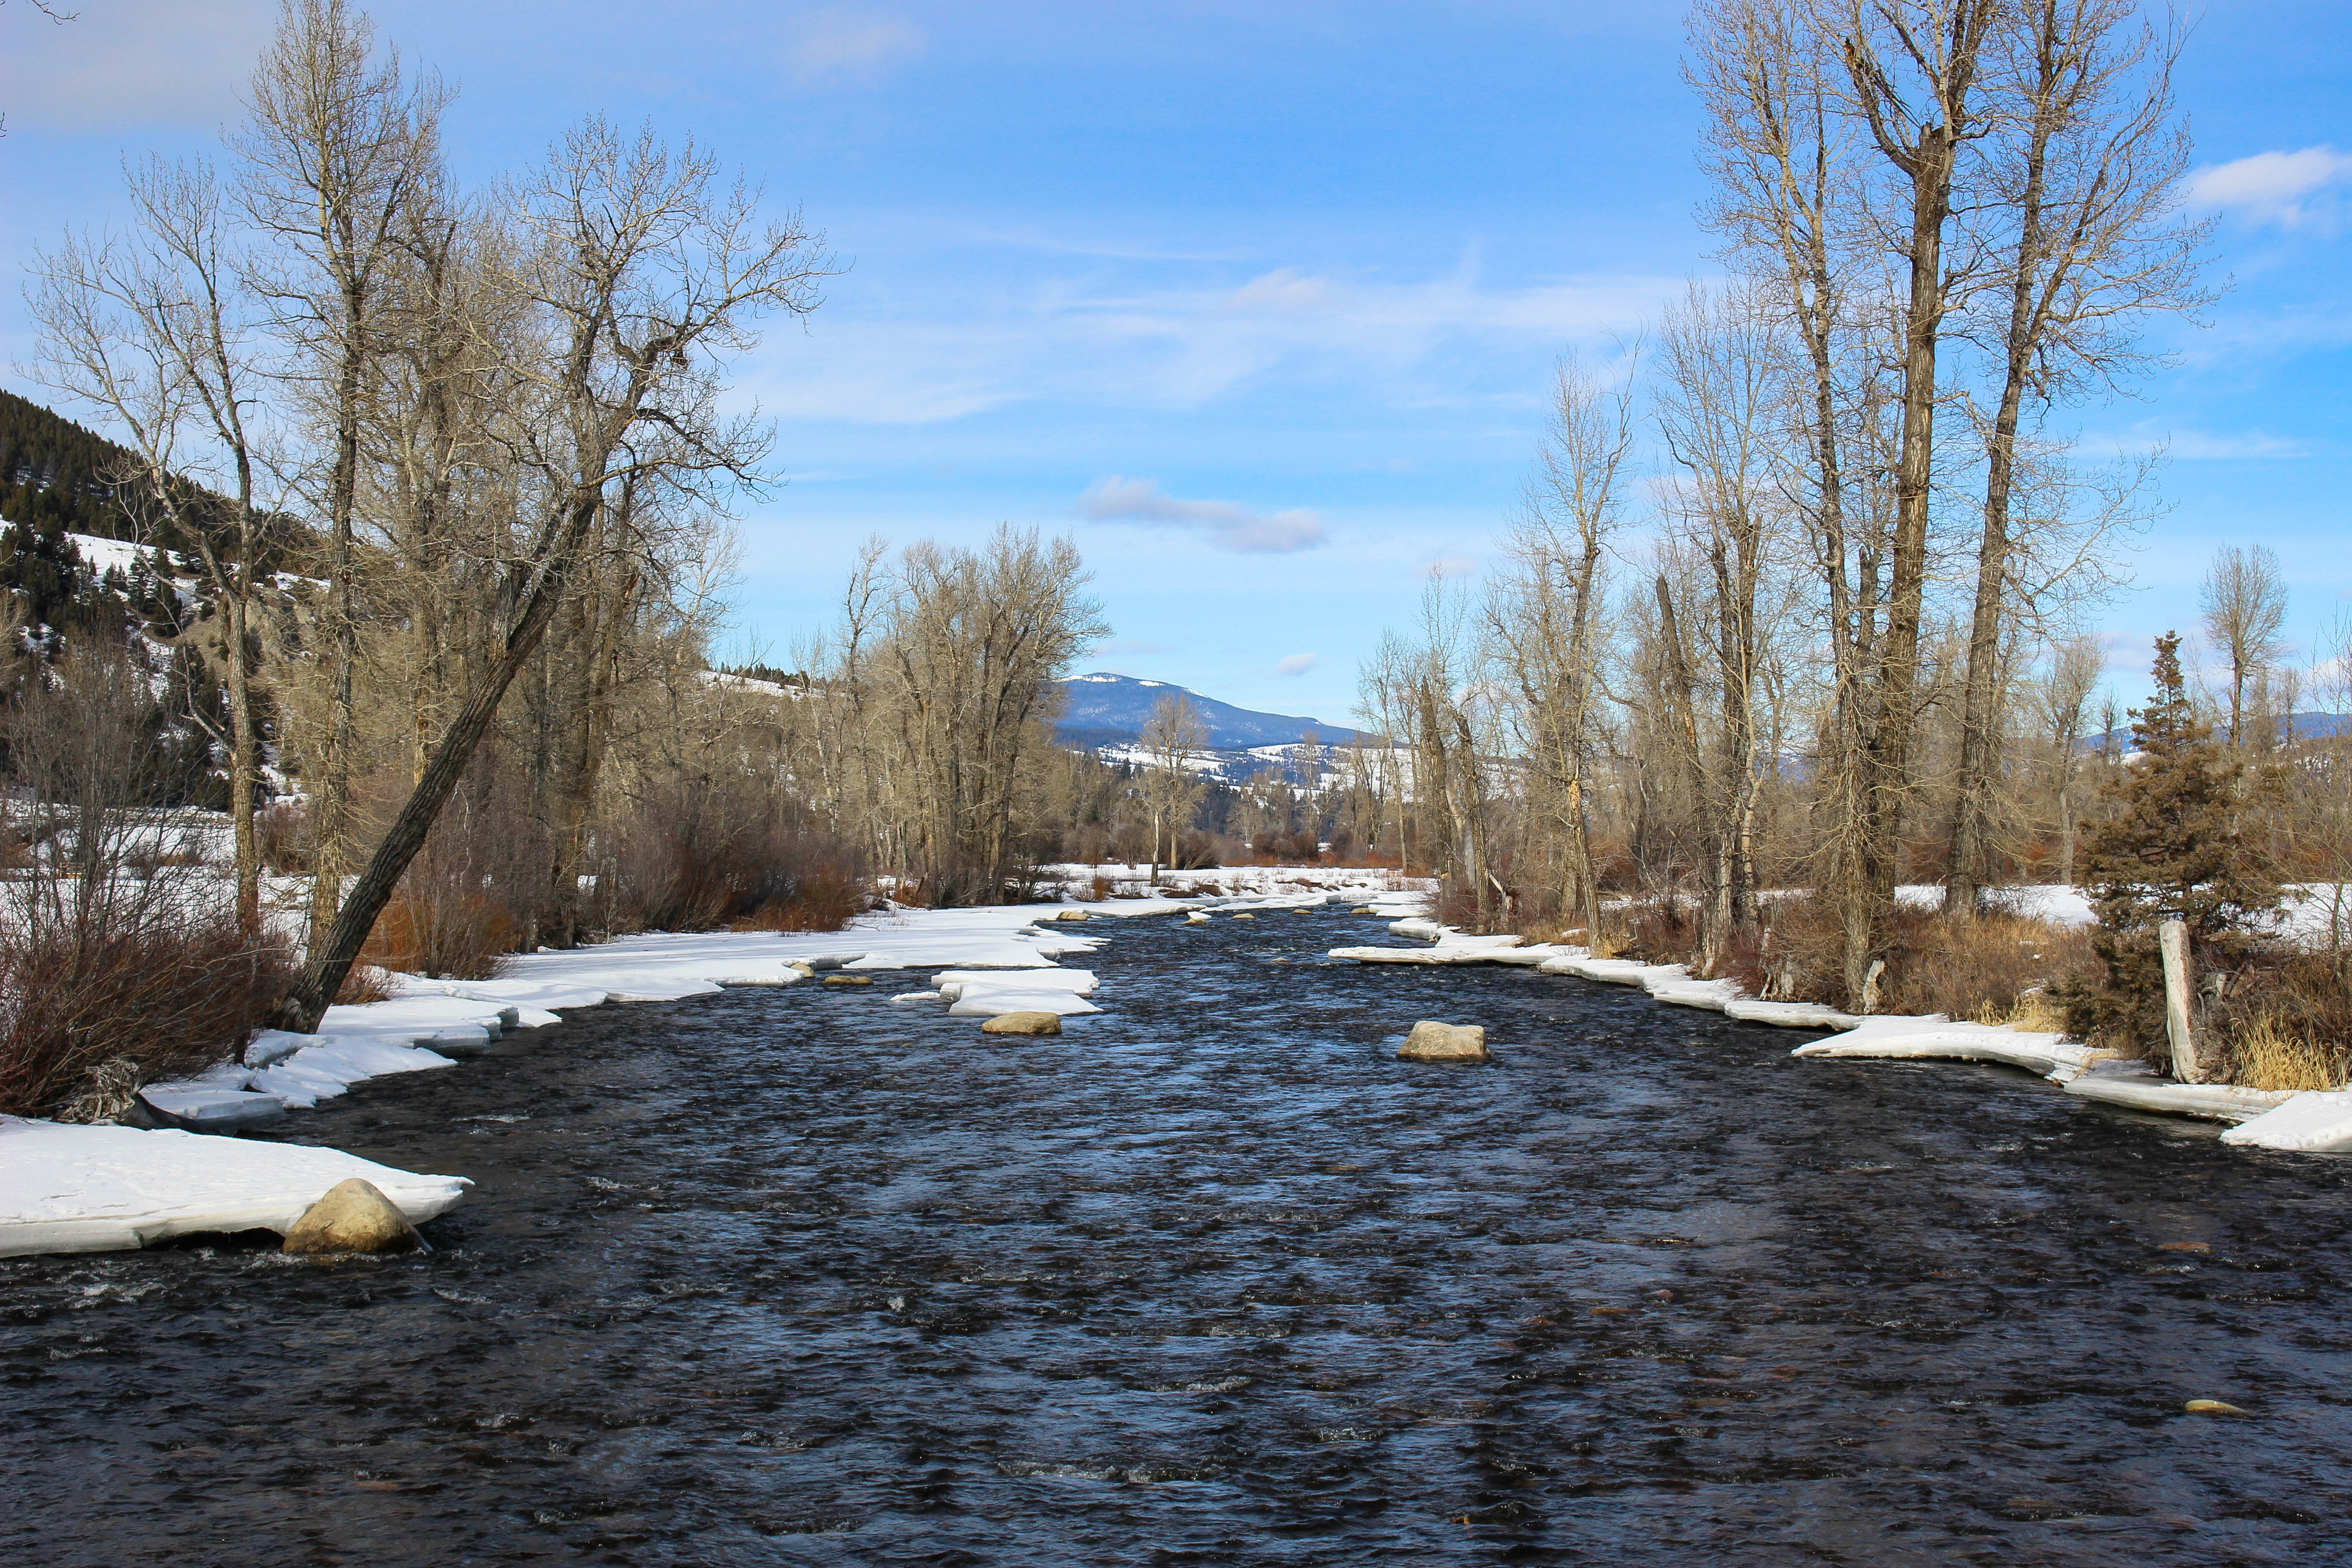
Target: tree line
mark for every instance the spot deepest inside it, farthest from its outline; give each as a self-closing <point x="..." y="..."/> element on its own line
<point x="1796" y="594"/>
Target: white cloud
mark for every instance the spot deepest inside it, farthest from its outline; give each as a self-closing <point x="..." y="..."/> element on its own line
<point x="897" y="355"/>
<point x="1228" y="526"/>
<point x="2192" y="444"/>
<point x="2271" y="186"/>
<point x="841" y="45"/>
<point x="1299" y="664"/>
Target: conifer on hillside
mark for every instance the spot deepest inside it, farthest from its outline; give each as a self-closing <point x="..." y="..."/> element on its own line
<point x="2174" y="845"/>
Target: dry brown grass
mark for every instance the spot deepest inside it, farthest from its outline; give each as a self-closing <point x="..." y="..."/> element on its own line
<point x="1997" y="967"/>
<point x="2034" y="1011"/>
<point x="2266" y="1054"/>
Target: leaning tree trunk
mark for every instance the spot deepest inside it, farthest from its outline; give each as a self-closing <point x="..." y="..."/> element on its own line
<point x="331" y="960"/>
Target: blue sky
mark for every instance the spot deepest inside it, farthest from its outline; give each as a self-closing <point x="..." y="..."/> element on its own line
<point x="1256" y="301"/>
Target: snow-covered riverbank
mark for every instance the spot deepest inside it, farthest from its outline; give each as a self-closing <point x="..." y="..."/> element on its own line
<point x="2306" y="1121"/>
<point x="72" y="1188"/>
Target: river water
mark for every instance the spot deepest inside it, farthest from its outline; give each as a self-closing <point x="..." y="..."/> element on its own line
<point x="804" y="1276"/>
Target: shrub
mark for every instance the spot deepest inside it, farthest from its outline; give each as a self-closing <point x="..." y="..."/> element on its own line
<point x="281" y="838"/>
<point x="827" y="899"/>
<point x="1983" y="970"/>
<point x="442" y="932"/>
<point x="86" y="1018"/>
<point x="724" y="856"/>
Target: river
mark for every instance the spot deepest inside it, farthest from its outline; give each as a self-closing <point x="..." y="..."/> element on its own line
<point x="804" y="1276"/>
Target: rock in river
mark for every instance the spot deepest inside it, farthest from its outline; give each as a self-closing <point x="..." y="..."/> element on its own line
<point x="849" y="980"/>
<point x="354" y="1217"/>
<point x="1432" y="1041"/>
<point x="1024" y="1024"/>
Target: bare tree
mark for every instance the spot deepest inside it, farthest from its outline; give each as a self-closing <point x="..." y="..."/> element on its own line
<point x="2244" y="605"/>
<point x="1719" y="410"/>
<point x="2064" y="699"/>
<point x="973" y="644"/>
<point x="2082" y="212"/>
<point x="645" y="268"/>
<point x="1545" y="614"/>
<point x="1172" y="790"/>
<point x="335" y="149"/>
<point x="154" y="331"/>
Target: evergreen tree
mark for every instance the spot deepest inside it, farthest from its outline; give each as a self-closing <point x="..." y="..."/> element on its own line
<point x="2174" y="848"/>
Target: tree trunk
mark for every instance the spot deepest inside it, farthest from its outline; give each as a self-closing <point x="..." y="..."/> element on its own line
<point x="330" y="961"/>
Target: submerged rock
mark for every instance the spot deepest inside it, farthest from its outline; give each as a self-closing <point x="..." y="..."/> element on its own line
<point x="1432" y="1041"/>
<point x="354" y="1217"/>
<point x="849" y="980"/>
<point x="1023" y="1022"/>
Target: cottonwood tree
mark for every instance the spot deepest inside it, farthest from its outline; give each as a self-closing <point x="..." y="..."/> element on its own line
<point x="154" y="329"/>
<point x="2244" y="600"/>
<point x="1546" y="615"/>
<point x="971" y="646"/>
<point x="1171" y="789"/>
<point x="645" y="269"/>
<point x="1719" y="414"/>
<point x="335" y="147"/>
<point x="2079" y="217"/>
<point x="1783" y="153"/>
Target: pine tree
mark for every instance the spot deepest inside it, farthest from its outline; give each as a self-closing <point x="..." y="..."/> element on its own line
<point x="2173" y="848"/>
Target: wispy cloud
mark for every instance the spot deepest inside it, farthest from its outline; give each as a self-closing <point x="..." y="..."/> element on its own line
<point x="1227" y="526"/>
<point x="871" y="358"/>
<point x="2194" y="445"/>
<point x="1299" y="664"/>
<point x="846" y="46"/>
<point x="2271" y="187"/>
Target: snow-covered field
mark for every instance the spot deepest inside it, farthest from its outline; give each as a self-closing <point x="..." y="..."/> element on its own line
<point x="70" y="1188"/>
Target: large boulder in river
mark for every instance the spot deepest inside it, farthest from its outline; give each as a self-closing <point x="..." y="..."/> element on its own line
<point x="1432" y="1041"/>
<point x="354" y="1217"/>
<point x="1023" y="1022"/>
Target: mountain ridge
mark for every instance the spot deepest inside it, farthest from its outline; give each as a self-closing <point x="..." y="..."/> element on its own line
<point x="1103" y="707"/>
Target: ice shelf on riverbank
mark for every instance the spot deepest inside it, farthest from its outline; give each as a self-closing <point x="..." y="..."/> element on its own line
<point x="2306" y="1121"/>
<point x="109" y="1189"/>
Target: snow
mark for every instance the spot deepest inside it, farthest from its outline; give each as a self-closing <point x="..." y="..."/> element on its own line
<point x="2313" y="1122"/>
<point x="107" y="1189"/>
<point x="1904" y="1037"/>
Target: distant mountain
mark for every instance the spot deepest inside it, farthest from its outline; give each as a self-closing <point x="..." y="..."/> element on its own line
<point x="2307" y="727"/>
<point x="1105" y="709"/>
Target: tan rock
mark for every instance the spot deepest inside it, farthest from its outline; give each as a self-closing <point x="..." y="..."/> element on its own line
<point x="1071" y="915"/>
<point x="1245" y="915"/>
<point x="1432" y="1041"/>
<point x="2213" y="1408"/>
<point x="1024" y="1024"/>
<point x="849" y="980"/>
<point x="354" y="1217"/>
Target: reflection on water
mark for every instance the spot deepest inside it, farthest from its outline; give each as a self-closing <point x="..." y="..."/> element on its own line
<point x="800" y="1277"/>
